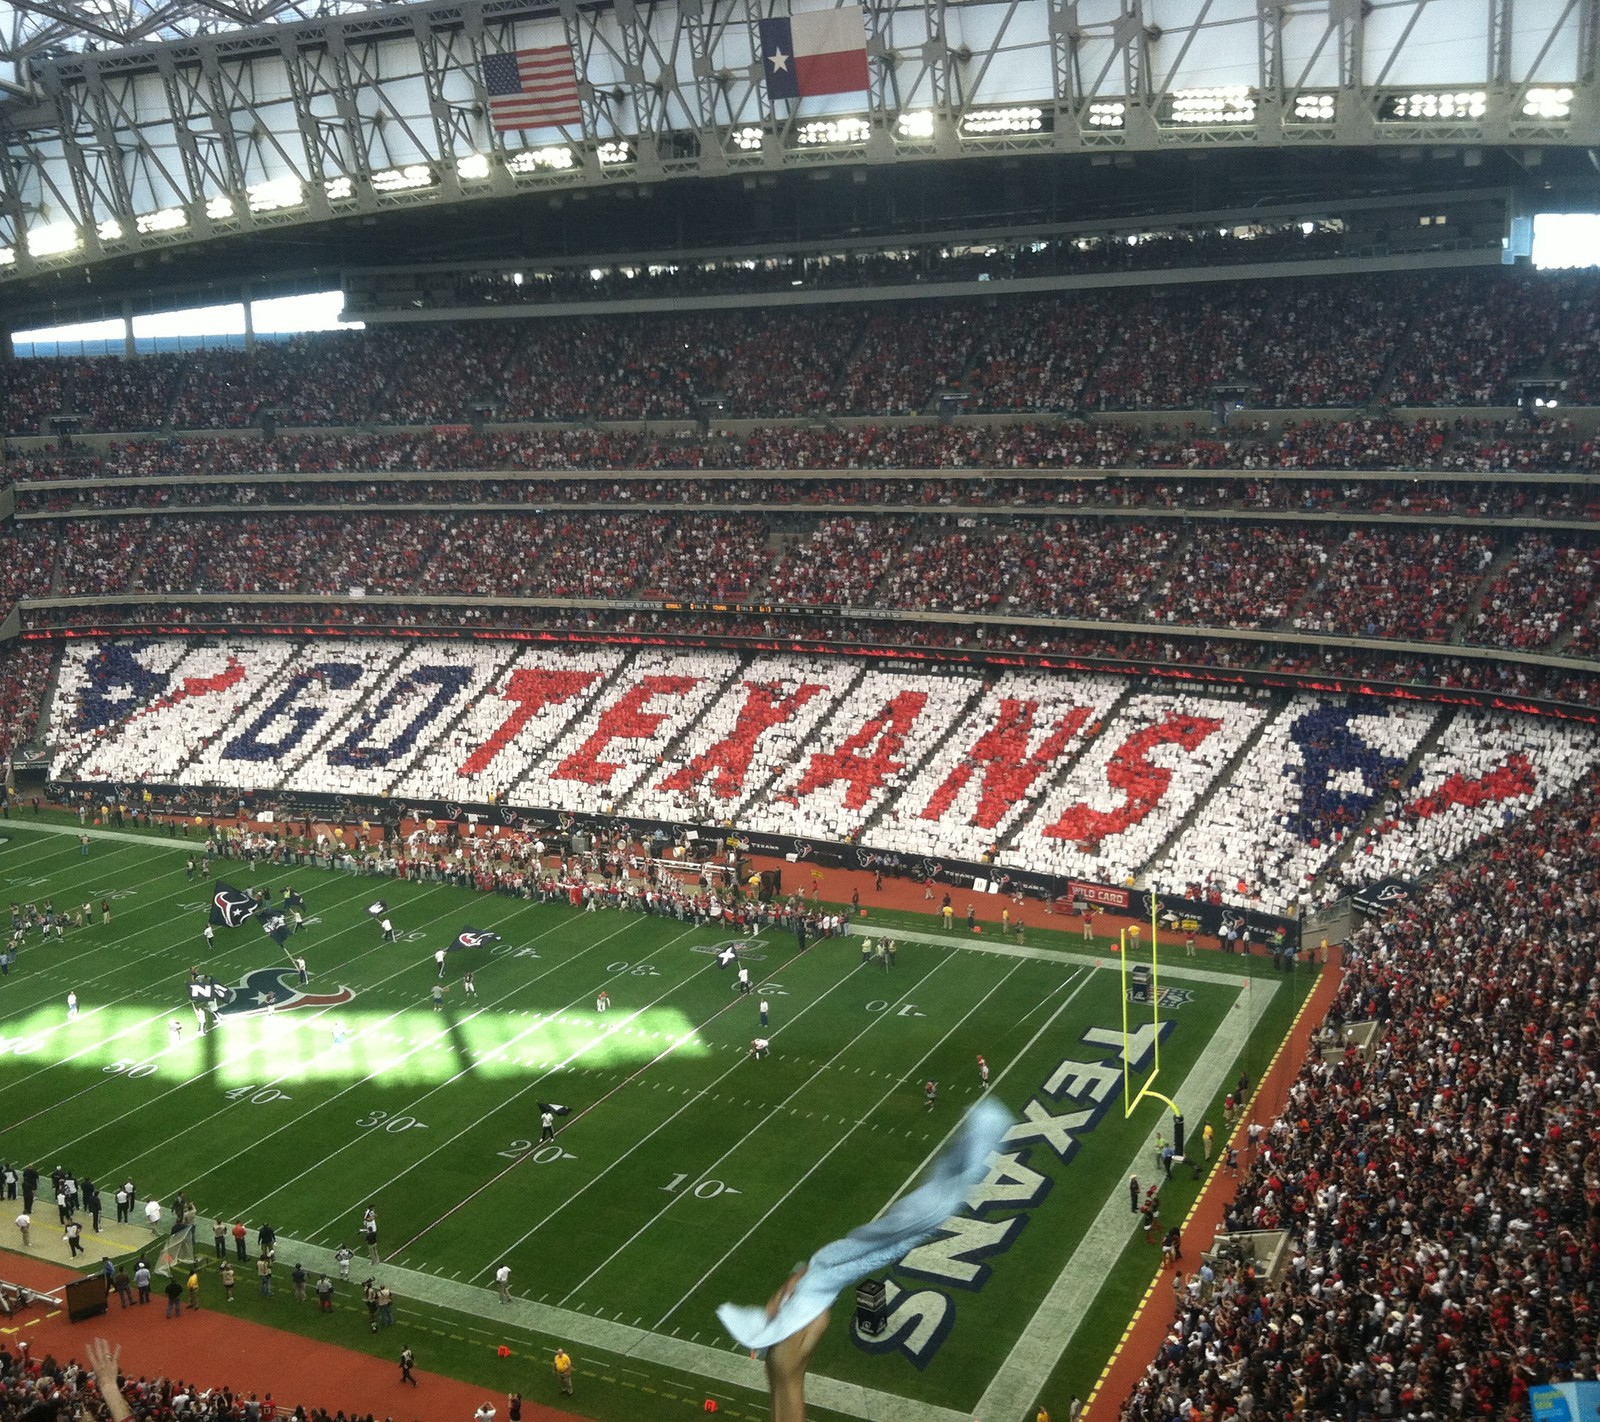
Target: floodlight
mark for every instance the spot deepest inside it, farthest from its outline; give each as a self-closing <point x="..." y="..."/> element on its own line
<point x="399" y="180"/>
<point x="1108" y="113"/>
<point x="339" y="189"/>
<point x="173" y="219"/>
<point x="474" y="168"/>
<point x="614" y="151"/>
<point x="530" y="160"/>
<point x="1024" y="118"/>
<point x="748" y="138"/>
<point x="834" y="132"/>
<point x="1212" y="105"/>
<point x="8" y="256"/>
<point x="1314" y="108"/>
<point x="1458" y="105"/>
<point x="1547" y="103"/>
<point x="915" y="125"/>
<point x="276" y="194"/>
<point x="53" y="239"/>
<point x="218" y="209"/>
<point x="110" y="230"/>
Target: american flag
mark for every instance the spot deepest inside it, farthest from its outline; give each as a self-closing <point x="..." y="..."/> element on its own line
<point x="533" y="88"/>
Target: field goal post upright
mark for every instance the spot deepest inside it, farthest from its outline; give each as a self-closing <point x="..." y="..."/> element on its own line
<point x="1129" y="945"/>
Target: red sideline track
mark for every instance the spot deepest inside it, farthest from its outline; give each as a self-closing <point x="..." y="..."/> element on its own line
<point x="211" y="1348"/>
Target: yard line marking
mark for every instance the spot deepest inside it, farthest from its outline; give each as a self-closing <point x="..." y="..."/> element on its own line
<point x="289" y="1125"/>
<point x="228" y="1060"/>
<point x="1082" y="983"/>
<point x="873" y="1021"/>
<point x="538" y="1080"/>
<point x="593" y="1105"/>
<point x="826" y="1155"/>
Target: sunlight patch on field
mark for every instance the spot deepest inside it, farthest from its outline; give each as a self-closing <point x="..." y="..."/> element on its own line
<point x="403" y="1049"/>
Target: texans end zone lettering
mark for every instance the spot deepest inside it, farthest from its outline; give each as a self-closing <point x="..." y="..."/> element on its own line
<point x="1000" y="1207"/>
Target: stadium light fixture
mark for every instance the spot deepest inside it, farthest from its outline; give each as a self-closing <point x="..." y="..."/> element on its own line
<point x="339" y="189"/>
<point x="8" y="256"/>
<point x="986" y="123"/>
<point x="1216" y="105"/>
<point x="110" y="230"/>
<point x="53" y="239"/>
<point x="276" y="194"/>
<point x="219" y="209"/>
<point x="1461" y="104"/>
<point x="1108" y="114"/>
<point x="557" y="158"/>
<point x="406" y="179"/>
<point x="915" y="125"/>
<point x="614" y="151"/>
<point x="833" y="133"/>
<point x="474" y="168"/>
<point x="1314" y="108"/>
<point x="1547" y="103"/>
<point x="175" y="219"/>
<point x="749" y="138"/>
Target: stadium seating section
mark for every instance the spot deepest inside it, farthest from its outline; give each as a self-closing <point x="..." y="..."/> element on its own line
<point x="696" y="669"/>
<point x="1244" y="799"/>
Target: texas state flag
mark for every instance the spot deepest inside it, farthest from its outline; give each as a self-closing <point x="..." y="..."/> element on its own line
<point x="818" y="52"/>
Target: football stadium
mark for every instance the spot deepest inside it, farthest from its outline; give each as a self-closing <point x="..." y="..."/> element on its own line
<point x="877" y="711"/>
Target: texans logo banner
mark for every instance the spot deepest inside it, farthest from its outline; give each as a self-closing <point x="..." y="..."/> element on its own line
<point x="230" y="906"/>
<point x="377" y="906"/>
<point x="292" y="899"/>
<point x="276" y="926"/>
<point x="475" y="938"/>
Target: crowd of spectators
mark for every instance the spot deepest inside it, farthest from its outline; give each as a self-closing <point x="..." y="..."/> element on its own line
<point x="24" y="676"/>
<point x="1100" y="572"/>
<point x="1438" y="1187"/>
<point x="784" y="451"/>
<point x="1414" y="586"/>
<point x="1462" y="338"/>
<point x="1399" y="583"/>
<point x="1540" y="593"/>
<point x="1238" y="575"/>
<point x="1469" y="337"/>
<point x="840" y="562"/>
<point x="1171" y="351"/>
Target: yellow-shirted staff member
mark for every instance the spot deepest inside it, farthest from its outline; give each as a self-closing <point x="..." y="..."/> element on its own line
<point x="563" y="1367"/>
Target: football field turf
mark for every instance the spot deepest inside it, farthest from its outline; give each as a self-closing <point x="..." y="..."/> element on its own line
<point x="686" y="1173"/>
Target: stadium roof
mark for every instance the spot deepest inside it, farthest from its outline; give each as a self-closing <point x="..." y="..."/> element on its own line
<point x="33" y="27"/>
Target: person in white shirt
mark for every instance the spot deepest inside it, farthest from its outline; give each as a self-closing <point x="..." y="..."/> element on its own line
<point x="759" y="1048"/>
<point x="502" y="1281"/>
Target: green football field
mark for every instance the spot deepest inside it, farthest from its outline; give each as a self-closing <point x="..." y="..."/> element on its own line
<point x="686" y="1174"/>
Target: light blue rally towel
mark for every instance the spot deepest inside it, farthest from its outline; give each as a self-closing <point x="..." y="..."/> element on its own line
<point x="883" y="1241"/>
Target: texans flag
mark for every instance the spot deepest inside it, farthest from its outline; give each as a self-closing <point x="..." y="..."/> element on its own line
<point x="275" y="924"/>
<point x="292" y="900"/>
<point x="376" y="907"/>
<point x="475" y="938"/>
<point x="555" y="1110"/>
<point x="231" y="906"/>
